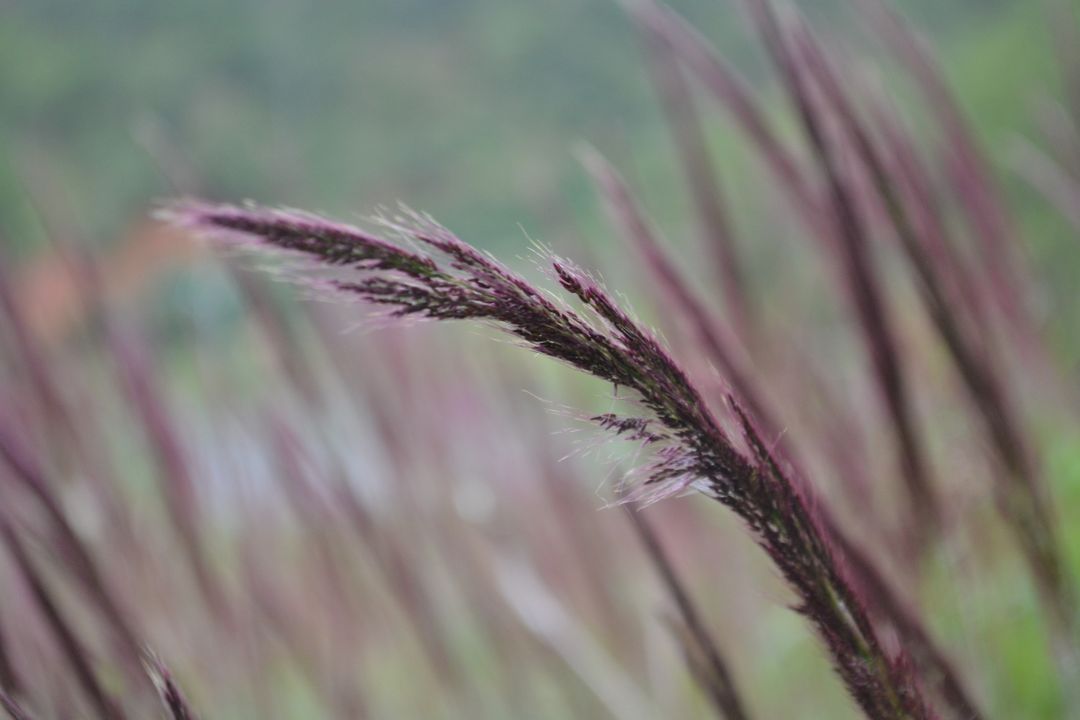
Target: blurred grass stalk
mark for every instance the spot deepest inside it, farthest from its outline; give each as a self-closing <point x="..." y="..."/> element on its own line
<point x="899" y="185"/>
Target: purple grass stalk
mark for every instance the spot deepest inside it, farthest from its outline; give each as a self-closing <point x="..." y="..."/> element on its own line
<point x="479" y="592"/>
<point x="680" y="302"/>
<point x="712" y="671"/>
<point x="690" y="448"/>
<point x="842" y="438"/>
<point x="883" y="600"/>
<point x="696" y="662"/>
<point x="928" y="221"/>
<point x="285" y="612"/>
<point x="545" y="617"/>
<point x="12" y="707"/>
<point x="732" y="91"/>
<point x="1022" y="501"/>
<point x="813" y="58"/>
<point x="972" y="179"/>
<point x="474" y="580"/>
<point x="586" y="547"/>
<point x="450" y="542"/>
<point x="678" y="298"/>
<point x="25" y="470"/>
<point x="313" y="508"/>
<point x="81" y="445"/>
<point x="67" y="438"/>
<point x="280" y="335"/>
<point x="10" y="681"/>
<point x="677" y="100"/>
<point x="275" y="608"/>
<point x="865" y="573"/>
<point x="72" y="649"/>
<point x="292" y="458"/>
<point x="590" y="548"/>
<point x="176" y="705"/>
<point x="865" y="287"/>
<point x="313" y="511"/>
<point x="404" y="584"/>
<point x="143" y="394"/>
<point x="33" y="360"/>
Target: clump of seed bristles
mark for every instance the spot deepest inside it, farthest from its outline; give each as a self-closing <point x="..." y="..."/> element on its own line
<point x="441" y="277"/>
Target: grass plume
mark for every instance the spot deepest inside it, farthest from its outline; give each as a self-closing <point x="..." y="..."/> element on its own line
<point x="444" y="278"/>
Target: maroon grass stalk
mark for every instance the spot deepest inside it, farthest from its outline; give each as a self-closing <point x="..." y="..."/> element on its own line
<point x="958" y="285"/>
<point x="696" y="662"/>
<point x="696" y="52"/>
<point x="677" y="297"/>
<point x="391" y="561"/>
<point x="590" y="549"/>
<point x="575" y="543"/>
<point x="312" y="509"/>
<point x="733" y="93"/>
<point x="712" y="671"/>
<point x="451" y="280"/>
<point x="176" y="705"/>
<point x="12" y="707"/>
<point x="81" y="445"/>
<point x="865" y="287"/>
<point x="315" y="513"/>
<point x="9" y="676"/>
<point x="138" y="384"/>
<point x="71" y="647"/>
<point x="1022" y="499"/>
<point x="403" y="583"/>
<point x="922" y="648"/>
<point x="33" y="359"/>
<point x="882" y="603"/>
<point x="178" y="486"/>
<point x="972" y="180"/>
<point x="677" y="101"/>
<point x="27" y="472"/>
<point x="451" y="542"/>
<point x="275" y="607"/>
<point x="67" y="439"/>
<point x="479" y="589"/>
<point x="680" y="302"/>
<point x="279" y="333"/>
<point x="731" y="90"/>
